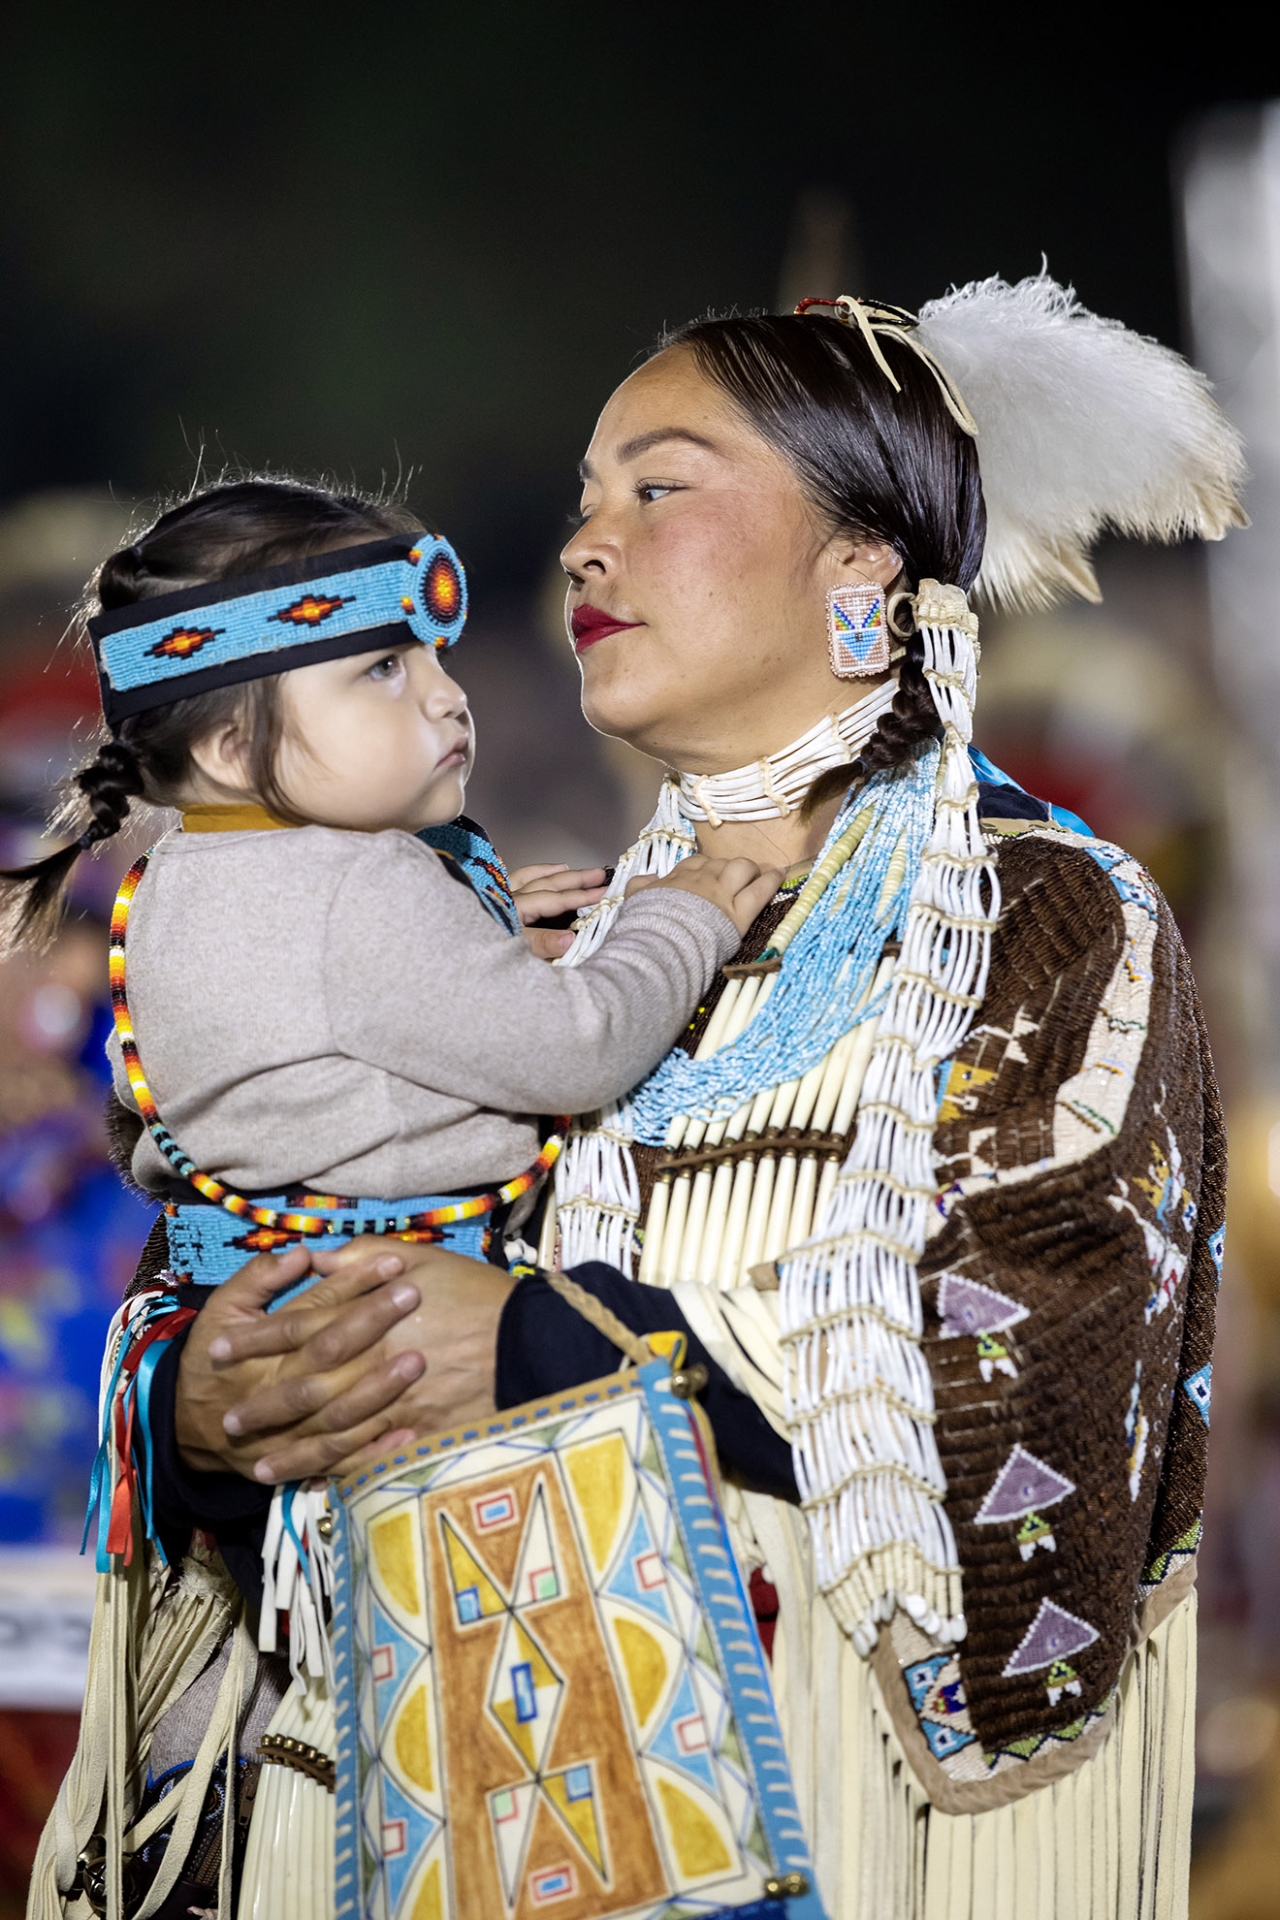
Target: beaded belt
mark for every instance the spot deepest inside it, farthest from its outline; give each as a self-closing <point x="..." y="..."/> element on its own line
<point x="208" y="1244"/>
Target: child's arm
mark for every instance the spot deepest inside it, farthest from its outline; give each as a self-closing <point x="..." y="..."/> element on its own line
<point x="421" y="982"/>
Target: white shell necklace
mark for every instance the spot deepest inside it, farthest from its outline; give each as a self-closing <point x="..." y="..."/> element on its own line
<point x="775" y="786"/>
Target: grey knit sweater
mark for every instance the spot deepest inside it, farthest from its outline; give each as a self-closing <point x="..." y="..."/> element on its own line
<point x="332" y="1008"/>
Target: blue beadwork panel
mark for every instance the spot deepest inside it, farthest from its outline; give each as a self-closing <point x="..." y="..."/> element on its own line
<point x="425" y="591"/>
<point x="208" y="1245"/>
<point x="551" y="1693"/>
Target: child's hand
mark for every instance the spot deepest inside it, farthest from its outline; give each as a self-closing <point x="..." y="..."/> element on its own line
<point x="543" y="893"/>
<point x="552" y="893"/>
<point x="738" y="887"/>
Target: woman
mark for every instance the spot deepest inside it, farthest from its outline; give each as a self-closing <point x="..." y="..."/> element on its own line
<point x="940" y="1194"/>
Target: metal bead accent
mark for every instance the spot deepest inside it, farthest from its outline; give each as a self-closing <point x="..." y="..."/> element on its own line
<point x="324" y="1526"/>
<point x="91" y="1873"/>
<point x="686" y="1381"/>
<point x="786" y="1886"/>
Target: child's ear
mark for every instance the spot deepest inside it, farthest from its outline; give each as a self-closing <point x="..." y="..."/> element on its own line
<point x="222" y="757"/>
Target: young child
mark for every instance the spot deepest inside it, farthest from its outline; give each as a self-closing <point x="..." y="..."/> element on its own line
<point x="317" y="1008"/>
<point x="328" y="1024"/>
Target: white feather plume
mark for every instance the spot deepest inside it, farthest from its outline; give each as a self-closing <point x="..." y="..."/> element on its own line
<point x="1083" y="426"/>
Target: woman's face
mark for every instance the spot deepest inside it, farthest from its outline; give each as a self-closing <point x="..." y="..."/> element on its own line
<point x="698" y="579"/>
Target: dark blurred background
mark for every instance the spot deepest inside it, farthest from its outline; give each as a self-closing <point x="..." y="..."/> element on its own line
<point x="420" y="245"/>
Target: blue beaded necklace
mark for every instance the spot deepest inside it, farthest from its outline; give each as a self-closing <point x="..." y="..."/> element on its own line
<point x="826" y="971"/>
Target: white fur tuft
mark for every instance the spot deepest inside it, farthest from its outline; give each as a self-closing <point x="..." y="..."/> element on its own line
<point x="1082" y="426"/>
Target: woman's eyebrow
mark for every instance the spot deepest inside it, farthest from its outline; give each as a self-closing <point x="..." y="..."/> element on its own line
<point x="644" y="442"/>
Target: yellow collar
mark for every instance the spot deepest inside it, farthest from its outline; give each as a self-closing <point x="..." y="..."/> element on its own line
<point x="241" y="817"/>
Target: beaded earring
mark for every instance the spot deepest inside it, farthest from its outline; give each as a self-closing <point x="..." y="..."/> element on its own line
<point x="857" y="631"/>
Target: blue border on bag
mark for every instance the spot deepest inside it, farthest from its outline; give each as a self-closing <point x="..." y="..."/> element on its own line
<point x="726" y="1609"/>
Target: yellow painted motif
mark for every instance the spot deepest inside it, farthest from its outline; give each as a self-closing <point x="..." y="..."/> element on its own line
<point x="429" y="1905"/>
<point x="668" y="1345"/>
<point x="699" y="1847"/>
<point x="520" y="1732"/>
<point x="598" y="1476"/>
<point x="580" y="1818"/>
<point x="413" y="1742"/>
<point x="645" y="1665"/>
<point x="394" y="1544"/>
<point x="465" y="1572"/>
<point x="962" y="1081"/>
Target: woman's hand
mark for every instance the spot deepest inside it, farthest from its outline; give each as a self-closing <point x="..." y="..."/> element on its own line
<point x="297" y="1421"/>
<point x="546" y="893"/>
<point x="327" y="1343"/>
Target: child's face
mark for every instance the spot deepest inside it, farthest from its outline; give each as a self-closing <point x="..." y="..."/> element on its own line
<point x="376" y="740"/>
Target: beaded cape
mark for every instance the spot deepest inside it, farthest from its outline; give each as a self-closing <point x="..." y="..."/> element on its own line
<point x="1068" y="1290"/>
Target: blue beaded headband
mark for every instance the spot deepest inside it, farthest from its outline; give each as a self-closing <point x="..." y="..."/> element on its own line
<point x="158" y="651"/>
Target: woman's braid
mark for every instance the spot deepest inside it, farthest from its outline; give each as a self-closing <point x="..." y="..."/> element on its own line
<point x="903" y="733"/>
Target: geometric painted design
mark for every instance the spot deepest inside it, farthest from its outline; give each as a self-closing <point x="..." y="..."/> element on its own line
<point x="1054" y="1634"/>
<point x="407" y="1833"/>
<point x="964" y="1306"/>
<point x="1022" y="1484"/>
<point x="495" y="1510"/>
<point x="548" y="1629"/>
<point x="639" y="1577"/>
<point x="551" y="1885"/>
<point x="681" y="1740"/>
<point x="1198" y="1387"/>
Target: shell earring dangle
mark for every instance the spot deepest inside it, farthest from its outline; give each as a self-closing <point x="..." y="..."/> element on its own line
<point x="858" y="631"/>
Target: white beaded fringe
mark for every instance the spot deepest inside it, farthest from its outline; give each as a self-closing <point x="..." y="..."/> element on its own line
<point x="857" y="1390"/>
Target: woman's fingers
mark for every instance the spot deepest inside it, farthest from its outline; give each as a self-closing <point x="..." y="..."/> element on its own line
<point x="260" y="1279"/>
<point x="327" y="1453"/>
<point x="334" y="1403"/>
<point x="384" y="1447"/>
<point x="325" y="1340"/>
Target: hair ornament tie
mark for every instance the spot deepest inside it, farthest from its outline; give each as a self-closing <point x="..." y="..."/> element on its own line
<point x="875" y="317"/>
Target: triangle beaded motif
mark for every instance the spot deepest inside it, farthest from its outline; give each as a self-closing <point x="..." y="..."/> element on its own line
<point x="857" y="632"/>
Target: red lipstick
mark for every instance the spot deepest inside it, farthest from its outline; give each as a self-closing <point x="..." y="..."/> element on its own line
<point x="590" y="624"/>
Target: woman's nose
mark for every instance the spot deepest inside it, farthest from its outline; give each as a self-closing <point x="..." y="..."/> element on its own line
<point x="589" y="552"/>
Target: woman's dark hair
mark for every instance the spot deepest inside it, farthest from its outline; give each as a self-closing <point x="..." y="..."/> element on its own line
<point x="879" y="464"/>
<point x="220" y="533"/>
